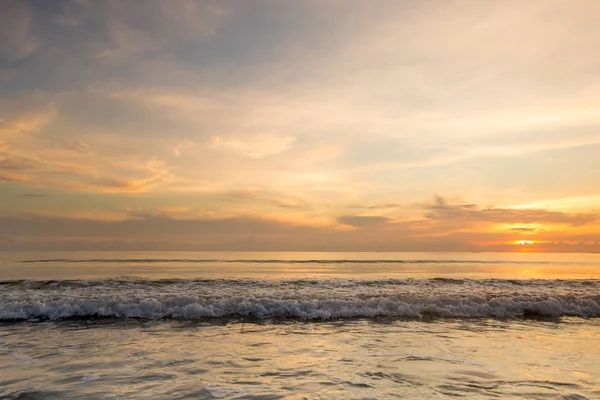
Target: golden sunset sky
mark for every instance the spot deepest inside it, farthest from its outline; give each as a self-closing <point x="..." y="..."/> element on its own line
<point x="300" y="125"/>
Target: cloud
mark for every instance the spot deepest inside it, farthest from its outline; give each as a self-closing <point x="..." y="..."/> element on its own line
<point x="374" y="206"/>
<point x="289" y="203"/>
<point x="363" y="221"/>
<point x="254" y="146"/>
<point x="469" y="213"/>
<point x="12" y="177"/>
<point x="22" y="118"/>
<point x="261" y="196"/>
<point x="172" y="230"/>
<point x="125" y="30"/>
<point x="524" y="230"/>
<point x="182" y="213"/>
<point x="188" y="228"/>
<point x="181" y="147"/>
<point x="74" y="177"/>
<point x="19" y="163"/>
<point x="16" y="38"/>
<point x="47" y="146"/>
<point x="146" y="225"/>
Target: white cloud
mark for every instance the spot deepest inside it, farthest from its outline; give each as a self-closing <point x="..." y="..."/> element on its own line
<point x="254" y="146"/>
<point x="181" y="147"/>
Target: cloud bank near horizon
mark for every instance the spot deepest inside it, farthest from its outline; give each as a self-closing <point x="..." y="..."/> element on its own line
<point x="440" y="227"/>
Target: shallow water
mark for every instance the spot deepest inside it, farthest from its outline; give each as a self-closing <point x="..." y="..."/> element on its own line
<point x="299" y="325"/>
<point x="270" y="359"/>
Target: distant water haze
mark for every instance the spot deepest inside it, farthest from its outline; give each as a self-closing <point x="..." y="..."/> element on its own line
<point x="291" y="265"/>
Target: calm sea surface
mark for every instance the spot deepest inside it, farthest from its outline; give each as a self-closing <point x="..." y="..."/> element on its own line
<point x="158" y="325"/>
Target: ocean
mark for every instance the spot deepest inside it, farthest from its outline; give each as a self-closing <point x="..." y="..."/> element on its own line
<point x="203" y="325"/>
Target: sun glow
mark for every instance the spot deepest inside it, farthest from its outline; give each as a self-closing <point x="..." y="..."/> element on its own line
<point x="525" y="242"/>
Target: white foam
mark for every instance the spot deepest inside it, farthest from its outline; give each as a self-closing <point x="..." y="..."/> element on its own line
<point x="325" y="299"/>
<point x="307" y="309"/>
<point x="90" y="377"/>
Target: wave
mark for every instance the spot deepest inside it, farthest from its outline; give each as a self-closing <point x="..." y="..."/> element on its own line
<point x="304" y="299"/>
<point x="187" y="308"/>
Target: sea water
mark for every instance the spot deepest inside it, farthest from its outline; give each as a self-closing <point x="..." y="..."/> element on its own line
<point x="299" y="325"/>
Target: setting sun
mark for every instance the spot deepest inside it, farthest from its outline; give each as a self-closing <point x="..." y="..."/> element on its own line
<point x="525" y="242"/>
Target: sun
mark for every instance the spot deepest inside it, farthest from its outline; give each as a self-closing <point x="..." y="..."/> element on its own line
<point x="525" y="242"/>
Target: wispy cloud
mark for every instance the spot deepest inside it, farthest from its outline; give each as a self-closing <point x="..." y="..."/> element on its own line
<point x="255" y="146"/>
<point x="362" y="221"/>
<point x="182" y="147"/>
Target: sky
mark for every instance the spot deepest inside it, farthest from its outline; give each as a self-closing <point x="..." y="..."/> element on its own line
<point x="388" y="125"/>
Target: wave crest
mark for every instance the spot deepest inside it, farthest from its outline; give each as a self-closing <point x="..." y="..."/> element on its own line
<point x="305" y="299"/>
<point x="185" y="308"/>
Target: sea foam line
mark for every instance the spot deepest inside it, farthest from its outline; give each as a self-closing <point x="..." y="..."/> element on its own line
<point x="189" y="307"/>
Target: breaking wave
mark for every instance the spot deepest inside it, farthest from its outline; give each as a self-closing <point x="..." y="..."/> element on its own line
<point x="305" y="299"/>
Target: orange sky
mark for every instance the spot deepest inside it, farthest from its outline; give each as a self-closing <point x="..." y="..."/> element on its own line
<point x="300" y="125"/>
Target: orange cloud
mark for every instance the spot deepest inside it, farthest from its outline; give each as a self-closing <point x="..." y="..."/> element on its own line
<point x="469" y="213"/>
